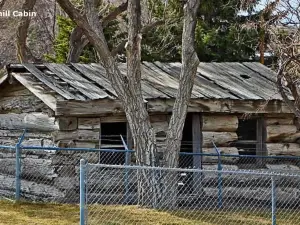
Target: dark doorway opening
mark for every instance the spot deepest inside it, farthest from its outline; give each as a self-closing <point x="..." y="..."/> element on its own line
<point x="247" y="137"/>
<point x="111" y="140"/>
<point x="186" y="161"/>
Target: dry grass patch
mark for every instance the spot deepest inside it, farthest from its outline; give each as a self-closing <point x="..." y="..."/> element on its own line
<point x="63" y="214"/>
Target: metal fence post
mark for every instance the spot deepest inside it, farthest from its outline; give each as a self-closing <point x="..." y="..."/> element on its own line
<point x="127" y="163"/>
<point x="220" y="185"/>
<point x="82" y="190"/>
<point x="18" y="167"/>
<point x="273" y="201"/>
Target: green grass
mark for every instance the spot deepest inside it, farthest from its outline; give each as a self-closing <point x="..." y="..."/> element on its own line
<point x="63" y="214"/>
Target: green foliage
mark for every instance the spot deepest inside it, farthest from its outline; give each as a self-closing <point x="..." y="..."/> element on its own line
<point x="219" y="36"/>
<point x="61" y="45"/>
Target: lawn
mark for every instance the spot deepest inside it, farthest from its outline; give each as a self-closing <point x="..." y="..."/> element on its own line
<point x="57" y="214"/>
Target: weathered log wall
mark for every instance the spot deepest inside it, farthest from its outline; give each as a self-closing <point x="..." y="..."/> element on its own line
<point x="282" y="136"/>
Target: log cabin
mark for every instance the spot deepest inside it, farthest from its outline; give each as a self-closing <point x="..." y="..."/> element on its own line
<point x="235" y="105"/>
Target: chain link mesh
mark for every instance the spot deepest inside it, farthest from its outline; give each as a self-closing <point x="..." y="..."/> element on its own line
<point x="7" y="174"/>
<point x="138" y="195"/>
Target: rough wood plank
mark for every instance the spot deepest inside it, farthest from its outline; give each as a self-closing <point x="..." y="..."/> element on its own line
<point x="48" y="99"/>
<point x="257" y="83"/>
<point x="209" y="71"/>
<point x="97" y="75"/>
<point x="220" y="123"/>
<point x="77" y="81"/>
<point x="67" y="123"/>
<point x="229" y="106"/>
<point x="151" y="67"/>
<point x="49" y="81"/>
<point x="113" y="119"/>
<point x="221" y="139"/>
<point x="78" y="135"/>
<point x="89" y="123"/>
<point x="148" y="90"/>
<point x="80" y="108"/>
<point x="106" y="106"/>
<point x="209" y="89"/>
<point x="291" y="149"/>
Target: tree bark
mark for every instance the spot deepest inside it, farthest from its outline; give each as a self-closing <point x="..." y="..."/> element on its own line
<point x="77" y="39"/>
<point x="77" y="43"/>
<point x="2" y="3"/>
<point x="190" y="63"/>
<point x="22" y="50"/>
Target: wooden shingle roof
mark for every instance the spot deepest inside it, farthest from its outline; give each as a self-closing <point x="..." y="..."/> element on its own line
<point x="240" y="81"/>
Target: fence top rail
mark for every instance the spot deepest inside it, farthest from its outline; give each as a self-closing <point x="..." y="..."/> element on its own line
<point x="64" y="149"/>
<point x="244" y="172"/>
<point x="241" y="156"/>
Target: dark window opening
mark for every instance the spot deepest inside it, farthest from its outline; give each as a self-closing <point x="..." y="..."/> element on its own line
<point x="111" y="140"/>
<point x="247" y="137"/>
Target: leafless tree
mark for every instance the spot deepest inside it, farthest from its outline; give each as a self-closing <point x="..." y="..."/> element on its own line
<point x="284" y="42"/>
<point x="23" y="53"/>
<point x="128" y="86"/>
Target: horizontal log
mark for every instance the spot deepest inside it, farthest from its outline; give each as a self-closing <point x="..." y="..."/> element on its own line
<point x="16" y="134"/>
<point x="290" y="149"/>
<point x="41" y="122"/>
<point x="221" y="139"/>
<point x="78" y="135"/>
<point x="31" y="190"/>
<point x="104" y="106"/>
<point x="21" y="104"/>
<point x="279" y="121"/>
<point x="89" y="123"/>
<point x="67" y="123"/>
<point x="31" y="168"/>
<point x="257" y="194"/>
<point x="223" y="150"/>
<point x="282" y="133"/>
<point x="30" y="121"/>
<point x="219" y="123"/>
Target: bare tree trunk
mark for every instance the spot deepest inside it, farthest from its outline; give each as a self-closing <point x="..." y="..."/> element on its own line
<point x="22" y="51"/>
<point x="190" y="63"/>
<point x="2" y="3"/>
<point x="77" y="43"/>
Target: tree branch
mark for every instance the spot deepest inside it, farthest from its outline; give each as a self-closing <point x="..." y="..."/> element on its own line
<point x="113" y="15"/>
<point x="2" y="3"/>
<point x="22" y="32"/>
<point x="77" y="39"/>
<point x="144" y="30"/>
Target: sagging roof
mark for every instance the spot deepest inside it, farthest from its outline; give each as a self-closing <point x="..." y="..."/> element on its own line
<point x="238" y="81"/>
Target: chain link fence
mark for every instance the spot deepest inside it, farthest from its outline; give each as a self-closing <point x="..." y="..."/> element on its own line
<point x="113" y="194"/>
<point x="42" y="172"/>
